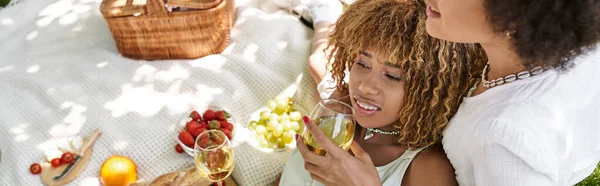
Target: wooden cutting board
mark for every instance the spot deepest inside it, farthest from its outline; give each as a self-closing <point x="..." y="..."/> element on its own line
<point x="49" y="172"/>
<point x="186" y="177"/>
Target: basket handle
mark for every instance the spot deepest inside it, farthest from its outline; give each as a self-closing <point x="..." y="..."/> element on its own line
<point x="156" y="7"/>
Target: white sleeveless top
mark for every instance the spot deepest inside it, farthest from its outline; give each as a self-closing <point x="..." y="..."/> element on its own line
<point x="390" y="174"/>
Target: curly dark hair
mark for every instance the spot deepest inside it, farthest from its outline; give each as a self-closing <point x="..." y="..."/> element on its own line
<point x="547" y="32"/>
<point x="438" y="73"/>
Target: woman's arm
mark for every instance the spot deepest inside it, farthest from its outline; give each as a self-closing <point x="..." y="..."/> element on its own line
<point x="430" y="167"/>
<point x="276" y="183"/>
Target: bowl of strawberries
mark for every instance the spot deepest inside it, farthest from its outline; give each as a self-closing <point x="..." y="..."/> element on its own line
<point x="197" y="121"/>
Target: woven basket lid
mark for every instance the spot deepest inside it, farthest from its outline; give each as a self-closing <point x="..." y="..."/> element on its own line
<point x="124" y="8"/>
<point x="195" y="4"/>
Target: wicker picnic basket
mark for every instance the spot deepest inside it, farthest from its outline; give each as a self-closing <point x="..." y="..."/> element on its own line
<point x="146" y="29"/>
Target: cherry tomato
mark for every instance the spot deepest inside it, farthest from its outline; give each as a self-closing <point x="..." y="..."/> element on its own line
<point x="67" y="158"/>
<point x="56" y="162"/>
<point x="35" y="168"/>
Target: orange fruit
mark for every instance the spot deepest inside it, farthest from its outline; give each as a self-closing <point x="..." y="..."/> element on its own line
<point x="118" y="171"/>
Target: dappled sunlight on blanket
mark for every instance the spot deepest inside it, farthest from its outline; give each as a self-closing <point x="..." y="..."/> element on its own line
<point x="33" y="69"/>
<point x="150" y="74"/>
<point x="66" y="11"/>
<point x="146" y="101"/>
<point x="213" y="63"/>
<point x="6" y="68"/>
<point x="102" y="64"/>
<point x="73" y="122"/>
<point x="20" y="132"/>
<point x="120" y="145"/>
<point x="6" y="21"/>
<point x="32" y="35"/>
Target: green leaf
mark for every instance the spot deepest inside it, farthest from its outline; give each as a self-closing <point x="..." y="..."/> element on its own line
<point x="593" y="179"/>
<point x="3" y="3"/>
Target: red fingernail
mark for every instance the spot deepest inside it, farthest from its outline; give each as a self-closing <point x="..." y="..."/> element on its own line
<point x="305" y="119"/>
<point x="296" y="137"/>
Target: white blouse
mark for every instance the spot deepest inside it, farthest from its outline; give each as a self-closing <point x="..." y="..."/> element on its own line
<point x="544" y="130"/>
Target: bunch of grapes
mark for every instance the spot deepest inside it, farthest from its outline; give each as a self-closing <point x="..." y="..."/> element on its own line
<point x="277" y="126"/>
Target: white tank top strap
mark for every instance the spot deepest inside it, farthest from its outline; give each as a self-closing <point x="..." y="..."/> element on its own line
<point x="411" y="153"/>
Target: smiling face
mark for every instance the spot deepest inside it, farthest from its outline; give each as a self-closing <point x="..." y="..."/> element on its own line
<point x="420" y="90"/>
<point x="376" y="89"/>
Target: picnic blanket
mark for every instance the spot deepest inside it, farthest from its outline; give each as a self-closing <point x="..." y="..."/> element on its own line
<point x="61" y="75"/>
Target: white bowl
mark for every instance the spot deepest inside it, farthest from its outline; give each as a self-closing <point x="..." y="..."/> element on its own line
<point x="186" y="118"/>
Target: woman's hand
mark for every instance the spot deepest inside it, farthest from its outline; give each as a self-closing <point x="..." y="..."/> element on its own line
<point x="337" y="167"/>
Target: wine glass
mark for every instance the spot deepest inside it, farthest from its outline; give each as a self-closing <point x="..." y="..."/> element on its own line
<point x="213" y="155"/>
<point x="336" y="120"/>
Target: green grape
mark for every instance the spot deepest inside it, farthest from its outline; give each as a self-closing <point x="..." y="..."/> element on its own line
<point x="277" y="131"/>
<point x="289" y="108"/>
<point x="272" y="125"/>
<point x="271" y="104"/>
<point x="280" y="143"/>
<point x="261" y="130"/>
<point x="262" y="141"/>
<point x="272" y="144"/>
<point x="295" y="116"/>
<point x="262" y="122"/>
<point x="293" y="133"/>
<point x="274" y="117"/>
<point x="287" y="137"/>
<point x="264" y="115"/>
<point x="284" y="116"/>
<point x="272" y="138"/>
<point x="287" y="125"/>
<point x="282" y="103"/>
<point x="252" y="125"/>
<point x="279" y="111"/>
<point x="294" y="125"/>
<point x="301" y="127"/>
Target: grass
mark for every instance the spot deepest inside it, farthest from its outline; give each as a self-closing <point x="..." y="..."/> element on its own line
<point x="592" y="180"/>
<point x="3" y="3"/>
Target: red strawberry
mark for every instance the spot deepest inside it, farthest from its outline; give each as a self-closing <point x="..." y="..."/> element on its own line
<point x="227" y="133"/>
<point x="178" y="148"/>
<point x="194" y="128"/>
<point x="204" y="126"/>
<point x="203" y="142"/>
<point x="186" y="138"/>
<point x="195" y="115"/>
<point x="204" y="122"/>
<point x="220" y="115"/>
<point x="214" y="124"/>
<point x="191" y="125"/>
<point x="209" y="115"/>
<point x="227" y="125"/>
<point x="197" y="131"/>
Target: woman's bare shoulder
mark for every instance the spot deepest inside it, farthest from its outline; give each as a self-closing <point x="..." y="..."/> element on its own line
<point x="430" y="167"/>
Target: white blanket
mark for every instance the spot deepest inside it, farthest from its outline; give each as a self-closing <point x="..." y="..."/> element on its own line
<point x="61" y="75"/>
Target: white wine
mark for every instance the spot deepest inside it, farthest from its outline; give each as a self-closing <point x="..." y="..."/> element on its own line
<point x="217" y="164"/>
<point x="340" y="130"/>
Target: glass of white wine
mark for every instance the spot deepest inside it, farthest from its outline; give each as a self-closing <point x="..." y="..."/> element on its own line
<point x="336" y="120"/>
<point x="213" y="156"/>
